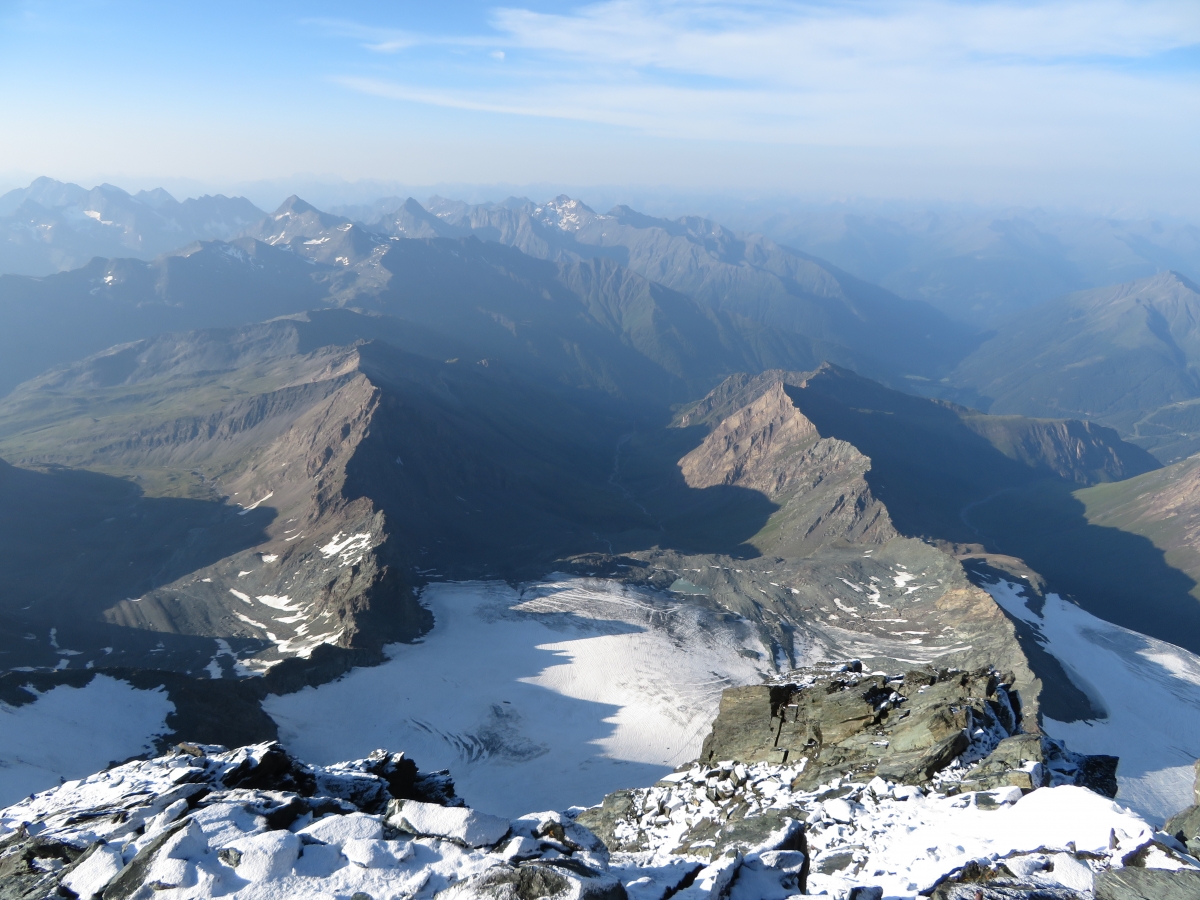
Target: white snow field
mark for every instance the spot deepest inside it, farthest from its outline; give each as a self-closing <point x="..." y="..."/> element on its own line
<point x="542" y="698"/>
<point x="70" y="732"/>
<point x="1149" y="688"/>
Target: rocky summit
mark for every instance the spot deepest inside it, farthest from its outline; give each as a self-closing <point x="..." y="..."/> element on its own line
<point x="952" y="800"/>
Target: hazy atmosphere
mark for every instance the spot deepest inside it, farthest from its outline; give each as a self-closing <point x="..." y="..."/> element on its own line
<point x="1058" y="103"/>
<point x="683" y="450"/>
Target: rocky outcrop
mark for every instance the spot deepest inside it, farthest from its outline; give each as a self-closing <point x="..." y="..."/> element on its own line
<point x="203" y="822"/>
<point x="176" y="821"/>
<point x="771" y="447"/>
<point x="1185" y="825"/>
<point x="745" y="447"/>
<point x="909" y="728"/>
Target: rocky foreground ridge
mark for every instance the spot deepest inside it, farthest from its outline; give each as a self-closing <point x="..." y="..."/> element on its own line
<point x="838" y="783"/>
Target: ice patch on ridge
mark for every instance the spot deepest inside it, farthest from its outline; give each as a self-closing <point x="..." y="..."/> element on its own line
<point x="345" y="548"/>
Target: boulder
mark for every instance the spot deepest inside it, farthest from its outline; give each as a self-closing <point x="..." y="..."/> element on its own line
<point x="1006" y="892"/>
<point x="1017" y="761"/>
<point x="454" y="823"/>
<point x="603" y="820"/>
<point x="94" y="872"/>
<point x="337" y="830"/>
<point x="772" y="830"/>
<point x="1185" y="827"/>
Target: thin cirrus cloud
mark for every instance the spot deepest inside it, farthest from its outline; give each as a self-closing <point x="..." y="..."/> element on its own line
<point x="825" y="73"/>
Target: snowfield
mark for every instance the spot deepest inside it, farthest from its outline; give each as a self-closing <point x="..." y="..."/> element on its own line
<point x="541" y="698"/>
<point x="1149" y="688"/>
<point x="71" y="732"/>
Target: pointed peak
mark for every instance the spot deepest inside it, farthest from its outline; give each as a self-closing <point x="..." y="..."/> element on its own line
<point x="293" y="205"/>
<point x="414" y="209"/>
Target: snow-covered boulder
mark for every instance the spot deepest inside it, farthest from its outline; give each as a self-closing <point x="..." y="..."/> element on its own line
<point x="459" y="824"/>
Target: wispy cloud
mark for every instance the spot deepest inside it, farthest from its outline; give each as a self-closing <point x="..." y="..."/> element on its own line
<point x="903" y="72"/>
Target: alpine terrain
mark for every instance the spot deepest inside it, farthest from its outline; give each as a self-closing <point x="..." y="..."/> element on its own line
<point x="516" y="550"/>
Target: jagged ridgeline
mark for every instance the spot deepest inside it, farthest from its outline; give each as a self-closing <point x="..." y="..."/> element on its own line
<point x="277" y="486"/>
<point x="253" y="466"/>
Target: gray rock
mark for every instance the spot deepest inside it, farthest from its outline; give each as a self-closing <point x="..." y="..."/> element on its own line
<point x="1147" y="884"/>
<point x="131" y="878"/>
<point x="849" y="724"/>
<point x="1185" y="826"/>
<point x="602" y="820"/>
<point x="1005" y="892"/>
<point x="772" y="830"/>
<point x="1007" y="766"/>
<point x="19" y="879"/>
<point x="535" y="881"/>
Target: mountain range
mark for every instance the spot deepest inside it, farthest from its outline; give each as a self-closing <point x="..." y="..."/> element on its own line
<point x="980" y="266"/>
<point x="52" y="226"/>
<point x="241" y="468"/>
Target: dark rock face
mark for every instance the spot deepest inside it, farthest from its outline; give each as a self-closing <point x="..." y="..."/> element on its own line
<point x="1147" y="884"/>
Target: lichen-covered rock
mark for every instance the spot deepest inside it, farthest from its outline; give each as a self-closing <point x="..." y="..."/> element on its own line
<point x="906" y="728"/>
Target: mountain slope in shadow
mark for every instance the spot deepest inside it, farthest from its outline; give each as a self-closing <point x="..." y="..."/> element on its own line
<point x="999" y="485"/>
<point x="1124" y="355"/>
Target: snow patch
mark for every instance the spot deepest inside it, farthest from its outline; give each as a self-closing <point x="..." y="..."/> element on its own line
<point x="68" y="732"/>
<point x="255" y="504"/>
<point x="349" y="550"/>
<point x="1150" y="689"/>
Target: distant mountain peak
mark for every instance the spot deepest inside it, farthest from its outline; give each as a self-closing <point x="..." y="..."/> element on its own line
<point x="565" y="213"/>
<point x="157" y="198"/>
<point x="1170" y="277"/>
<point x="293" y="206"/>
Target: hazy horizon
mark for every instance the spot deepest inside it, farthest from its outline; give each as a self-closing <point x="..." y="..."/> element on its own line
<point x="1055" y="104"/>
<point x="723" y="206"/>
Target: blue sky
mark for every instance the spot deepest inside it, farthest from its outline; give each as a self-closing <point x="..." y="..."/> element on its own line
<point x="1093" y="103"/>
